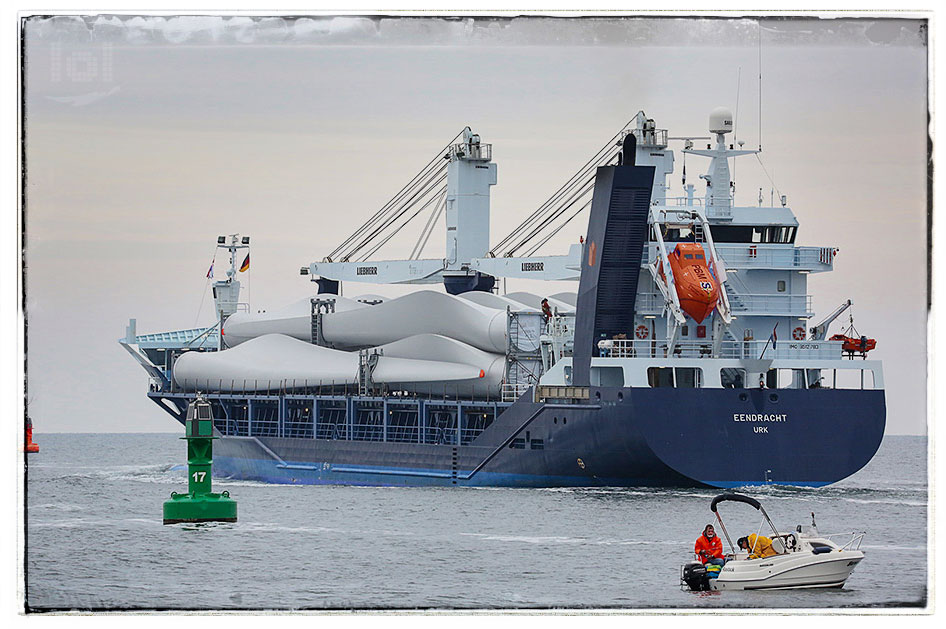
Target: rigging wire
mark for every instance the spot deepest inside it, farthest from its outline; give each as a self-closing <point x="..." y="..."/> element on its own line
<point x="550" y="204"/>
<point x="387" y="207"/>
<point x="547" y="206"/>
<point x="203" y="293"/>
<point x="396" y="231"/>
<point x="429" y="227"/>
<point x="584" y="187"/>
<point x="395" y="208"/>
<point x="771" y="181"/>
<point x="532" y="251"/>
<point x="424" y="190"/>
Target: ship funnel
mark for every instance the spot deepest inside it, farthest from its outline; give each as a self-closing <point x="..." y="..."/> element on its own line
<point x="721" y="120"/>
<point x="629" y="151"/>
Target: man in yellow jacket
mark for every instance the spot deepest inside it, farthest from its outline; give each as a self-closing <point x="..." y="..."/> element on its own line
<point x="757" y="545"/>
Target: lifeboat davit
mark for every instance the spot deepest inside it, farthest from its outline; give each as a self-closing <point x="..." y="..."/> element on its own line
<point x="697" y="286"/>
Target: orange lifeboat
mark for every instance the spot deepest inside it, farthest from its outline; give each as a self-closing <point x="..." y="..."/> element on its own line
<point x="697" y="286"/>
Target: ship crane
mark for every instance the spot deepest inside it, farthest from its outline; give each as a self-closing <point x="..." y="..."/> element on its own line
<point x="456" y="184"/>
<point x="819" y="332"/>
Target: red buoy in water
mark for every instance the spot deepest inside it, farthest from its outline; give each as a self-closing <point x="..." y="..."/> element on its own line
<point x="30" y="446"/>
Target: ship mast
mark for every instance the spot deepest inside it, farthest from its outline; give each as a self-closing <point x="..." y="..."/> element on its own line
<point x="227" y="292"/>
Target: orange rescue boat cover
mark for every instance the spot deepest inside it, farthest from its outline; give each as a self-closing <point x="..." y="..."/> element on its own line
<point x="697" y="286"/>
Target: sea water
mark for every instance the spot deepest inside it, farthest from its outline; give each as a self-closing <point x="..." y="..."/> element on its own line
<point x="94" y="539"/>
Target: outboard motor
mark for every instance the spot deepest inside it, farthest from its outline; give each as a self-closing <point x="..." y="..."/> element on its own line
<point x="696" y="577"/>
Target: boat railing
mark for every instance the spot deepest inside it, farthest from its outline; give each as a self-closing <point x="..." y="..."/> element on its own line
<point x="854" y="541"/>
<point x="634" y="348"/>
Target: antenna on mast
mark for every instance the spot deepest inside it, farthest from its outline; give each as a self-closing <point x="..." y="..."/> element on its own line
<point x="760" y="84"/>
<point x="735" y="127"/>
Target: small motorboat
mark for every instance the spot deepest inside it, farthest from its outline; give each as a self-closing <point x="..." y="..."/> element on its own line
<point x="802" y="558"/>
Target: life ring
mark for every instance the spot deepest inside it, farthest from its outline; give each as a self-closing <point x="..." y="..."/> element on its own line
<point x="798" y="333"/>
<point x="642" y="332"/>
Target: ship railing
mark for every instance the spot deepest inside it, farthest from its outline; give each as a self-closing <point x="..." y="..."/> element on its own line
<point x="750" y="303"/>
<point x="513" y="391"/>
<point x="762" y="256"/>
<point x="444" y="392"/>
<point x="482" y="152"/>
<point x="336" y="418"/>
<point x="633" y="348"/>
<point x="683" y="201"/>
<point x="719" y="208"/>
<point x="650" y="137"/>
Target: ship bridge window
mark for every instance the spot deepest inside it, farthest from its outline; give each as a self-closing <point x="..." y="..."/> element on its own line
<point x="676" y="233"/>
<point x="753" y="234"/>
<point x="732" y="378"/>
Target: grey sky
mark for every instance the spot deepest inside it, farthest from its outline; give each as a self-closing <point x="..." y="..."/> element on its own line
<point x="294" y="131"/>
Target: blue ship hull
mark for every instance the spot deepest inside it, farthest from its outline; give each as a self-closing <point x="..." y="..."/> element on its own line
<point x="622" y="437"/>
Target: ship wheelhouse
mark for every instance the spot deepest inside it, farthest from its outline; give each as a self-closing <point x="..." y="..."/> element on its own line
<point x="767" y="340"/>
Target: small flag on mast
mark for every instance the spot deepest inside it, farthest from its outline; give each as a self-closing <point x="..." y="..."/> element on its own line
<point x="774" y="337"/>
<point x="246" y="263"/>
<point x="210" y="271"/>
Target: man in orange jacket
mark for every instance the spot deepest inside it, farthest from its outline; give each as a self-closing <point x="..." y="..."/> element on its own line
<point x="709" y="548"/>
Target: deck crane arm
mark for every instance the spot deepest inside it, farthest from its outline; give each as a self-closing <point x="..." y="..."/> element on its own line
<point x="820" y="331"/>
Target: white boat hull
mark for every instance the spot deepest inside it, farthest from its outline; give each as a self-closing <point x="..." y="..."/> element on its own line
<point x="794" y="570"/>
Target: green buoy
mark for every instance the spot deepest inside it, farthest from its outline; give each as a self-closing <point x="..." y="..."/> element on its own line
<point x="199" y="504"/>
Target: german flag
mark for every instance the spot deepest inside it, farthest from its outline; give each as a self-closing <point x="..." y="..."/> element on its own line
<point x="246" y="263"/>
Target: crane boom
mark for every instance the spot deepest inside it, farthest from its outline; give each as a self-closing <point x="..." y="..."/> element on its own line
<point x="820" y="331"/>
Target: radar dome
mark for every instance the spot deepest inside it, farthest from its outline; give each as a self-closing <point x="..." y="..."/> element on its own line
<point x="720" y="120"/>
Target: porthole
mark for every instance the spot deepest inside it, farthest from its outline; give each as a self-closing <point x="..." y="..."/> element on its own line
<point x="743" y="397"/>
<point x="555" y="420"/>
<point x="620" y="396"/>
<point x="564" y="420"/>
<point x="773" y="397"/>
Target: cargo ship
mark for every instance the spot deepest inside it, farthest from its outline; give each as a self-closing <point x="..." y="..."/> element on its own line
<point x="687" y="355"/>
